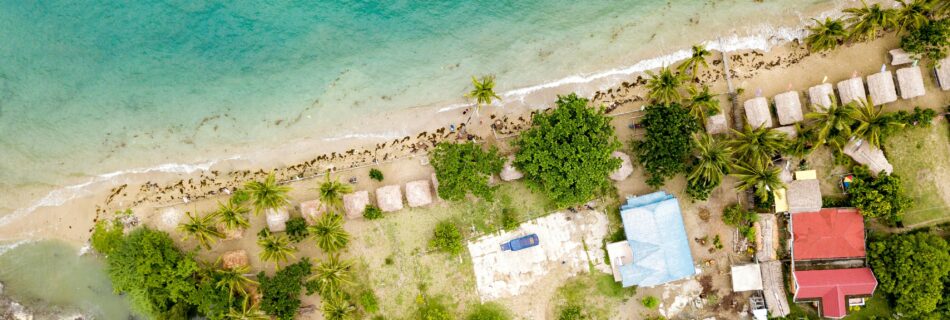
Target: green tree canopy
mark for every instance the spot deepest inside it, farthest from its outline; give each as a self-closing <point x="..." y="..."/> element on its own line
<point x="666" y="146"/>
<point x="872" y="124"/>
<point x="758" y="145"/>
<point x="483" y="91"/>
<point x="882" y="197"/>
<point x="696" y="60"/>
<point x="702" y="104"/>
<point x="566" y="152"/>
<point x="465" y="167"/>
<point x="447" y="238"/>
<point x="281" y="293"/>
<point x="930" y="41"/>
<point x="332" y="191"/>
<point x="911" y="269"/>
<point x="867" y="21"/>
<point x="711" y="162"/>
<point x="665" y="86"/>
<point x="826" y="35"/>
<point x="267" y="194"/>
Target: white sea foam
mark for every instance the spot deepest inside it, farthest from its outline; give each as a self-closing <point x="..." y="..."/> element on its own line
<point x="382" y="136"/>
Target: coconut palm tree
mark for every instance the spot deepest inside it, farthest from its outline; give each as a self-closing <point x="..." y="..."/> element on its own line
<point x="913" y="14"/>
<point x="833" y="125"/>
<point x="826" y="35"/>
<point x="331" y="275"/>
<point x="233" y="215"/>
<point x="866" y="21"/>
<point x="248" y="311"/>
<point x="872" y="124"/>
<point x="763" y="177"/>
<point x="275" y="248"/>
<point x="664" y="86"/>
<point x="698" y="58"/>
<point x="939" y="8"/>
<point x="803" y="144"/>
<point x="267" y="194"/>
<point x="233" y="279"/>
<point x="483" y="91"/>
<point x="712" y="160"/>
<point x="702" y="103"/>
<point x="202" y="229"/>
<point x="338" y="308"/>
<point x="332" y="191"/>
<point x="329" y="232"/>
<point x="757" y="145"/>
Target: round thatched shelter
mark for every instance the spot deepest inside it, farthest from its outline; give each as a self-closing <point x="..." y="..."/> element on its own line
<point x="277" y="219"/>
<point x="418" y="193"/>
<point x="757" y="113"/>
<point x="881" y="88"/>
<point x="355" y="203"/>
<point x="389" y="198"/>
<point x="233" y="259"/>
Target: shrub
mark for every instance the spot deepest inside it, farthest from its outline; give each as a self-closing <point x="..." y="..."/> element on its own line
<point x="297" y="229"/>
<point x="920" y="117"/>
<point x="372" y="212"/>
<point x="488" y="311"/>
<point x="572" y="312"/>
<point x="667" y="144"/>
<point x="650" y="302"/>
<point x="368" y="301"/>
<point x="107" y="236"/>
<point x="882" y="197"/>
<point x="464" y="167"/>
<point x="447" y="238"/>
<point x="432" y="309"/>
<point x="930" y="41"/>
<point x="281" y="293"/>
<point x="734" y="215"/>
<point x="375" y="174"/>
<point x="509" y="219"/>
<point x="912" y="270"/>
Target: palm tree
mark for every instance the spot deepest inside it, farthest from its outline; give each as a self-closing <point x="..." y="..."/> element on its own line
<point x="872" y="124"/>
<point x="267" y="194"/>
<point x="702" y="103"/>
<point x="664" y="87"/>
<point x="826" y="35"/>
<point x="248" y="311"/>
<point x="802" y="145"/>
<point x="484" y="91"/>
<point x="329" y="232"/>
<point x="233" y="215"/>
<point x="332" y="191"/>
<point x="833" y="125"/>
<point x="697" y="59"/>
<point x="275" y="248"/>
<point x="866" y="21"/>
<point x="338" y="308"/>
<point x="233" y="279"/>
<point x="712" y="160"/>
<point x="201" y="228"/>
<point x="331" y="275"/>
<point x="912" y="15"/>
<point x="939" y="8"/>
<point x="761" y="176"/>
<point x="758" y="145"/>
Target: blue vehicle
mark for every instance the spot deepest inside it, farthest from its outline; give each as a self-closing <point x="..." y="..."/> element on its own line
<point x="525" y="242"/>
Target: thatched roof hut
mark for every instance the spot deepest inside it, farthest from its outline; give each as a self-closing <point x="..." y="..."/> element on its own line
<point x="821" y="96"/>
<point x="851" y="90"/>
<point x="389" y="198"/>
<point x="717" y="124"/>
<point x="418" y="193"/>
<point x="355" y="203"/>
<point x="943" y="74"/>
<point x="881" y="88"/>
<point x="788" y="107"/>
<point x="233" y="259"/>
<point x="866" y="154"/>
<point x="312" y="210"/>
<point x="789" y="131"/>
<point x="899" y="57"/>
<point x="277" y="219"/>
<point x="626" y="166"/>
<point x="757" y="113"/>
<point x="509" y="172"/>
<point x="803" y="196"/>
<point x="911" y="82"/>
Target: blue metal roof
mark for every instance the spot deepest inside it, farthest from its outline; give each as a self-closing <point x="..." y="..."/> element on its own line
<point x="654" y="227"/>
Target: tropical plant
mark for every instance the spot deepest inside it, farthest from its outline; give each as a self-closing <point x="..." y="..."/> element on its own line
<point x="233" y="279"/>
<point x="280" y="294"/>
<point x="760" y="176"/>
<point x="711" y="162"/>
<point x="275" y="248"/>
<point x="912" y="269"/>
<point x="872" y="124"/>
<point x="702" y="104"/>
<point x="488" y="311"/>
<point x="866" y="21"/>
<point x="372" y="212"/>
<point x="233" y="215"/>
<point x="202" y="229"/>
<point x="758" y="145"/>
<point x="332" y="191"/>
<point x="913" y="14"/>
<point x="331" y="276"/>
<point x="664" y="86"/>
<point x="572" y="312"/>
<point x="697" y="59"/>
<point x="329" y="233"/>
<point x="803" y="144"/>
<point x="930" y="41"/>
<point x="566" y="154"/>
<point x="107" y="236"/>
<point x="882" y="197"/>
<point x="939" y="8"/>
<point x="920" y="117"/>
<point x="375" y="174"/>
<point x="338" y="308"/>
<point x="650" y="302"/>
<point x="483" y="91"/>
<point x="296" y="229"/>
<point x="248" y="311"/>
<point x="463" y="168"/>
<point x="267" y="194"/>
<point x="665" y="148"/>
<point x="447" y="238"/>
<point x="833" y="125"/>
<point x="826" y="35"/>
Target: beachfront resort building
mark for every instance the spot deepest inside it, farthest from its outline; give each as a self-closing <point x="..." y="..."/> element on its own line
<point x="656" y="250"/>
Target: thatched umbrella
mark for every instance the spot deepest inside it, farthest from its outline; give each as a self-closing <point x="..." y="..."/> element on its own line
<point x="418" y="193"/>
<point x="881" y="88"/>
<point x="871" y="156"/>
<point x="355" y="203"/>
<point x="312" y="210"/>
<point x="788" y="107"/>
<point x="389" y="198"/>
<point x="717" y="124"/>
<point x="911" y="82"/>
<point x="803" y="196"/>
<point x="820" y="96"/>
<point x="626" y="166"/>
<point x="899" y="57"/>
<point x="943" y="74"/>
<point x="234" y="259"/>
<point x="509" y="172"/>
<point x="851" y="90"/>
<point x="788" y="130"/>
<point x="276" y="219"/>
<point x="757" y="113"/>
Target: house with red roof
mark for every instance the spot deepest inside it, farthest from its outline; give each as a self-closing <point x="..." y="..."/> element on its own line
<point x="830" y="235"/>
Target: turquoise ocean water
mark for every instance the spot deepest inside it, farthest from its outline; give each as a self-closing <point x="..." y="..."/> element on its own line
<point x="92" y="88"/>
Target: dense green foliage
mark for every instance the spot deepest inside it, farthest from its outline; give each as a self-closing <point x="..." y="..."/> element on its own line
<point x="510" y="219"/>
<point x="297" y="229"/>
<point x="867" y="21"/>
<point x="665" y="86"/>
<point x="447" y="238"/>
<point x="566" y="152"/>
<point x="872" y="124"/>
<point x="666" y="146"/>
<point x="233" y="214"/>
<point x="711" y="162"/>
<point x="734" y="215"/>
<point x="275" y="248"/>
<point x="432" y="308"/>
<point x="202" y="229"/>
<point x="368" y="301"/>
<point x="266" y="194"/>
<point x="758" y="145"/>
<point x="650" y="302"/>
<point x="762" y="177"/>
<point x="920" y="117"/>
<point x="572" y="312"/>
<point x="488" y="311"/>
<point x="930" y="41"/>
<point x="833" y="127"/>
<point x="826" y="35"/>
<point x="375" y="174"/>
<point x="331" y="192"/>
<point x="882" y="197"/>
<point x="329" y="233"/>
<point x="372" y="212"/>
<point x="330" y="276"/>
<point x="463" y="168"/>
<point x="913" y="270"/>
<point x="281" y="293"/>
<point x="702" y="103"/>
<point x="483" y="91"/>
<point x="107" y="236"/>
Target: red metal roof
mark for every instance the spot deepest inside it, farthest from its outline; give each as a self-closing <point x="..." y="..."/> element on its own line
<point x="827" y="234"/>
<point x="833" y="286"/>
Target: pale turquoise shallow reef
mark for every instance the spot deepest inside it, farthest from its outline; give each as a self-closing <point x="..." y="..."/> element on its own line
<point x="92" y="87"/>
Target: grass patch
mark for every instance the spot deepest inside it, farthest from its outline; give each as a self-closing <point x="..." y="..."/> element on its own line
<point x="875" y="308"/>
<point x="921" y="157"/>
<point x="597" y="293"/>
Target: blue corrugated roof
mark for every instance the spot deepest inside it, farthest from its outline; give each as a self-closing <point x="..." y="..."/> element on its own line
<point x="654" y="227"/>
